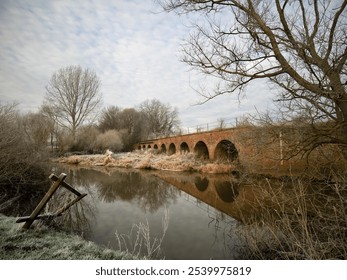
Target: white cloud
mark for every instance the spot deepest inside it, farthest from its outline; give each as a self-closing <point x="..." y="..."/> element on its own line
<point x="134" y="50"/>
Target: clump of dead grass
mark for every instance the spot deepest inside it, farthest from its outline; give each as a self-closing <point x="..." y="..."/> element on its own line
<point x="150" y="160"/>
<point x="217" y="168"/>
<point x="308" y="221"/>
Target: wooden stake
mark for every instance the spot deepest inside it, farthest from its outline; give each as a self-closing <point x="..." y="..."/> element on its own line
<point x="65" y="185"/>
<point x="44" y="201"/>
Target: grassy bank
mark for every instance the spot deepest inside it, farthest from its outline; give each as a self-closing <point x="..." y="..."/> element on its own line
<point x="42" y="243"/>
<point x="149" y="160"/>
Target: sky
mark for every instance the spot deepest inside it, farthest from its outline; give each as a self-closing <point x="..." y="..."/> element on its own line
<point x="132" y="45"/>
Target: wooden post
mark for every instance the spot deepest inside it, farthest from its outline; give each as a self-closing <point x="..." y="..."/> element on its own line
<point x="44" y="201"/>
<point x="67" y="206"/>
<point x="65" y="185"/>
<point x="27" y="218"/>
<point x="58" y="181"/>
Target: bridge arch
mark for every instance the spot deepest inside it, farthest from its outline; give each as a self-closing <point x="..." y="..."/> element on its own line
<point x="184" y="148"/>
<point x="149" y="147"/>
<point x="172" y="149"/>
<point x="225" y="151"/>
<point x="201" y="150"/>
<point x="155" y="147"/>
<point x="163" y="148"/>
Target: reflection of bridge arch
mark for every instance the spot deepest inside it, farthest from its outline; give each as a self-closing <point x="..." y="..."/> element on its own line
<point x="227" y="191"/>
<point x="201" y="184"/>
<point x="225" y="151"/>
<point x="184" y="147"/>
<point x="172" y="149"/>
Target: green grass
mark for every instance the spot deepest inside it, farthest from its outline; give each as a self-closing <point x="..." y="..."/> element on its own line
<point x="42" y="243"/>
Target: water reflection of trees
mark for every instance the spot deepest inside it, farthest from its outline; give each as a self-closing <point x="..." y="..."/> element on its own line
<point x="77" y="218"/>
<point x="147" y="191"/>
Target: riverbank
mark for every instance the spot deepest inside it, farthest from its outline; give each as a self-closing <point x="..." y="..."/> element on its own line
<point x="149" y="160"/>
<point x="42" y="243"/>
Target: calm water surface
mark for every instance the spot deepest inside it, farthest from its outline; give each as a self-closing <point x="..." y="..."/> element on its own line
<point x="119" y="199"/>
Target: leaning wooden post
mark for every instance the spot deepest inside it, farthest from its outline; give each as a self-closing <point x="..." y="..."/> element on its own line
<point x="67" y="206"/>
<point x="44" y="201"/>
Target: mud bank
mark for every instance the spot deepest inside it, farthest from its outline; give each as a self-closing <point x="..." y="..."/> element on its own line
<point x="149" y="160"/>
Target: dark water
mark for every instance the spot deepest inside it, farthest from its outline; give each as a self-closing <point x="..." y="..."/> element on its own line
<point x="119" y="201"/>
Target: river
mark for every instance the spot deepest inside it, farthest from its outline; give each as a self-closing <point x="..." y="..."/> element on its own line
<point x="190" y="215"/>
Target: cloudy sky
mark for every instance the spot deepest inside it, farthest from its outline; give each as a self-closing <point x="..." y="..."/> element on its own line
<point x="132" y="46"/>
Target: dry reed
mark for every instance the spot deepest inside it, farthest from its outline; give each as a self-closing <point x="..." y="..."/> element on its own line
<point x="307" y="222"/>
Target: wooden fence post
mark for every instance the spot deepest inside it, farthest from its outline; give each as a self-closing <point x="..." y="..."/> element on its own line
<point x="44" y="201"/>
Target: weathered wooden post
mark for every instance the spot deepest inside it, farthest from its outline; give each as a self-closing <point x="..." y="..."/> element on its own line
<point x="58" y="181"/>
<point x="44" y="201"/>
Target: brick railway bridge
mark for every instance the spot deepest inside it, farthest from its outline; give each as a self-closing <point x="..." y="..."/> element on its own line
<point x="217" y="144"/>
<point x="255" y="149"/>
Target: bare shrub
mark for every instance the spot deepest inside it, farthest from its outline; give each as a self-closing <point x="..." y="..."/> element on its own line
<point x="21" y="168"/>
<point x="64" y="141"/>
<point x="110" y="140"/>
<point x="85" y="139"/>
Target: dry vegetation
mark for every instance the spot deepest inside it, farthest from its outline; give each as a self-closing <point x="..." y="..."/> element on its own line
<point x="22" y="173"/>
<point x="306" y="220"/>
<point x="149" y="160"/>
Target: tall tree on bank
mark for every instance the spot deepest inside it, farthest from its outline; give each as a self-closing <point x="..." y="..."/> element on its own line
<point x="161" y="119"/>
<point x="73" y="94"/>
<point x="300" y="46"/>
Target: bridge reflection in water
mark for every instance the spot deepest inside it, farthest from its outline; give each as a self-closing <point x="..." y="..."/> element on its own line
<point x="219" y="191"/>
<point x="245" y="199"/>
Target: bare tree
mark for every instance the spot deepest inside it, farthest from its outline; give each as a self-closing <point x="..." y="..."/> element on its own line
<point x="74" y="94"/>
<point x="20" y="162"/>
<point x="48" y="113"/>
<point x="161" y="119"/>
<point x="110" y="119"/>
<point x="300" y="46"/>
<point x="221" y="123"/>
<point x="129" y="122"/>
<point x="37" y="128"/>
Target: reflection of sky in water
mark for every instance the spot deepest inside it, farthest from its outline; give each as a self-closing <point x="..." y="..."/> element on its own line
<point x="192" y="234"/>
<point x="123" y="199"/>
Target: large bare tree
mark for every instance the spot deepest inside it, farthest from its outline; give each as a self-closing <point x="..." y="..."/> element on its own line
<point x="73" y="94"/>
<point x="300" y="46"/>
<point x="161" y="119"/>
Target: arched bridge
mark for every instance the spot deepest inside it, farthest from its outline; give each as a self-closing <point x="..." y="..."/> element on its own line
<point x="222" y="144"/>
<point x="256" y="149"/>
